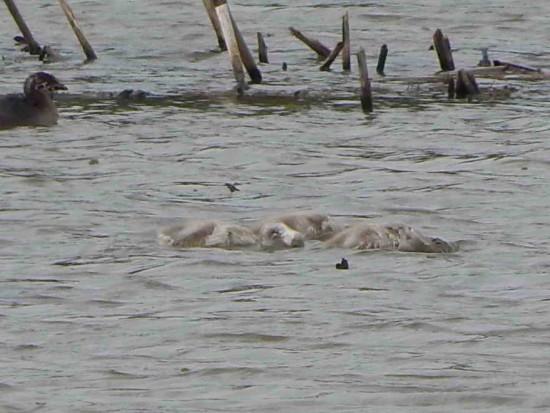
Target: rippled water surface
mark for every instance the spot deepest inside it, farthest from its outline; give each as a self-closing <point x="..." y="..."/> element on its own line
<point x="95" y="316"/>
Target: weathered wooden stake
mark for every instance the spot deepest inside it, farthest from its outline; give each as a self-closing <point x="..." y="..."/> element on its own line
<point x="246" y="57"/>
<point x="466" y="85"/>
<point x="443" y="49"/>
<point x="262" y="49"/>
<point x="346" y="49"/>
<point x="326" y="66"/>
<point x="322" y="51"/>
<point x="382" y="59"/>
<point x="34" y="48"/>
<point x="450" y="88"/>
<point x="366" y="93"/>
<point x="222" y="11"/>
<point x="86" y="47"/>
<point x="211" y="11"/>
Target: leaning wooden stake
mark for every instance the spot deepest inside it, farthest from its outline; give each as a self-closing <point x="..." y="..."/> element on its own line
<point x="443" y="49"/>
<point x="222" y="10"/>
<point x="322" y="51"/>
<point x="246" y="57"/>
<point x="211" y="11"/>
<point x="366" y="93"/>
<point x="86" y="47"/>
<point x="382" y="60"/>
<point x="326" y="66"/>
<point x="262" y="49"/>
<point x="34" y="48"/>
<point x="346" y="50"/>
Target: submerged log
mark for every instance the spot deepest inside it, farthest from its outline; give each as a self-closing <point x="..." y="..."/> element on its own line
<point x="86" y="47"/>
<point x="262" y="49"/>
<point x="211" y="11"/>
<point x="326" y="66"/>
<point x="443" y="49"/>
<point x="521" y="68"/>
<point x="34" y="48"/>
<point x="346" y="49"/>
<point x="366" y="93"/>
<point x="322" y="51"/>
<point x="382" y="60"/>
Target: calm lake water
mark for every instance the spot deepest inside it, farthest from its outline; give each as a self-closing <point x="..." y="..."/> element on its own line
<point x="95" y="316"/>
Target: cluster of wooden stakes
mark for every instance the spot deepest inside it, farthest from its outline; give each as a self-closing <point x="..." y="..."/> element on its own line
<point x="461" y="84"/>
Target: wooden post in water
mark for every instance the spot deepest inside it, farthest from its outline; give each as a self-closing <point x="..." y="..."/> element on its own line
<point x="262" y="49"/>
<point x="346" y="49"/>
<point x="322" y="51"/>
<point x="34" y="48"/>
<point x="466" y="85"/>
<point x="326" y="66"/>
<point x="246" y="57"/>
<point x="382" y="59"/>
<point x="86" y="47"/>
<point x="228" y="31"/>
<point x="443" y="49"/>
<point x="211" y="11"/>
<point x="366" y="93"/>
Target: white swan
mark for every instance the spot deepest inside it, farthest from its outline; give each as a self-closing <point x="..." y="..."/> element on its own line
<point x="397" y="237"/>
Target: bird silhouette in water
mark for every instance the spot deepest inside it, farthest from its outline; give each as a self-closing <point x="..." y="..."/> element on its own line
<point x="232" y="187"/>
<point x="342" y="265"/>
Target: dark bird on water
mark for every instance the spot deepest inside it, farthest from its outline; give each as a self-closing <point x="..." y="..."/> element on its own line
<point x="342" y="265"/>
<point x="232" y="187"/>
<point x="33" y="107"/>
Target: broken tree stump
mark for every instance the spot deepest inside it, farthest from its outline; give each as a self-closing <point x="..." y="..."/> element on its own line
<point x="443" y="49"/>
<point x="322" y="51"/>
<point x="466" y="85"/>
<point x="366" y="93"/>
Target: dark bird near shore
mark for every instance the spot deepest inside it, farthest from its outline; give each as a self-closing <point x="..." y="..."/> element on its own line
<point x="33" y="107"/>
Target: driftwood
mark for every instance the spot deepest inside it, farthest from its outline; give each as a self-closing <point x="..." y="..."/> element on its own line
<point x="86" y="47"/>
<point x="366" y="93"/>
<point x="382" y="60"/>
<point x="34" y="48"/>
<point x="443" y="49"/>
<point x="211" y="11"/>
<point x="332" y="56"/>
<point x="346" y="48"/>
<point x="322" y="51"/>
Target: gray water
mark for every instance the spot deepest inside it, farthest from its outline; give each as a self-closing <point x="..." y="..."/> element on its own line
<point x="95" y="316"/>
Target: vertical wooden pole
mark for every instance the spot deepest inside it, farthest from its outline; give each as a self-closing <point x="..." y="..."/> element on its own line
<point x="466" y="85"/>
<point x="211" y="11"/>
<point x="366" y="93"/>
<point x="262" y="49"/>
<point x="224" y="17"/>
<point x="86" y="47"/>
<point x="443" y="49"/>
<point x="346" y="49"/>
<point x="34" y="48"/>
<point x="326" y="66"/>
<point x="382" y="59"/>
